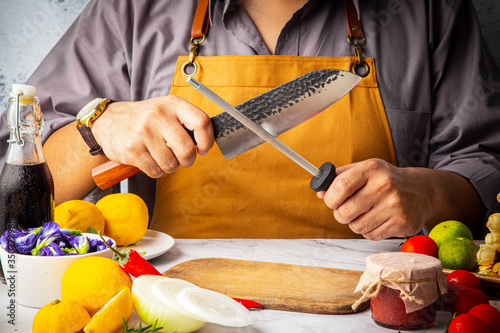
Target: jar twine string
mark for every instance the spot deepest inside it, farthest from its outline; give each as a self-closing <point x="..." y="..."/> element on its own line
<point x="372" y="288"/>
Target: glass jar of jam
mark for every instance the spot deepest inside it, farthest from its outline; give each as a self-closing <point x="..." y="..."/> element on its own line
<point x="402" y="288"/>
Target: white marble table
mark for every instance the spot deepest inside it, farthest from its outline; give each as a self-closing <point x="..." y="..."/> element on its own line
<point x="346" y="254"/>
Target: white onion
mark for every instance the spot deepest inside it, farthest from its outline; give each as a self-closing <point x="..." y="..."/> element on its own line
<point x="149" y="308"/>
<point x="182" y="306"/>
<point x="214" y="307"/>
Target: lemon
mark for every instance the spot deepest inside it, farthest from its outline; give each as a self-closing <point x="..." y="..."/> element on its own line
<point x="449" y="230"/>
<point x="79" y="214"/>
<point x="93" y="281"/>
<point x="126" y="217"/>
<point x="458" y="253"/>
<point x="109" y="318"/>
<point x="60" y="317"/>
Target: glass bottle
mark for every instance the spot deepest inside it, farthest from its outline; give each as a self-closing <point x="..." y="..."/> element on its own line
<point x="26" y="184"/>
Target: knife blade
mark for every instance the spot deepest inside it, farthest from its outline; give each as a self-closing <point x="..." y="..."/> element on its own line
<point x="281" y="108"/>
<point x="276" y="111"/>
<point x="322" y="177"/>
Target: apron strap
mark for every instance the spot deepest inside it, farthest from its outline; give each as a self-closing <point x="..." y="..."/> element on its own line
<point x="199" y="31"/>
<point x="353" y="23"/>
<point x="355" y="37"/>
<point x="200" y="21"/>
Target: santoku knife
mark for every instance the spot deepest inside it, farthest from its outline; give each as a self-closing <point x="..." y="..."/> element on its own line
<point x="261" y="119"/>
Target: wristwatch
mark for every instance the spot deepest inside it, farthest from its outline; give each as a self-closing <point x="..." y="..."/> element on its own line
<point x="84" y="119"/>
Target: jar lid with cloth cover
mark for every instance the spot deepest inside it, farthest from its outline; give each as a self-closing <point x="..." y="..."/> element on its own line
<point x="402" y="287"/>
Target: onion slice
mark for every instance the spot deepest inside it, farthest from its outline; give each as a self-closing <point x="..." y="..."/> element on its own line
<point x="167" y="289"/>
<point x="214" y="307"/>
<point x="149" y="308"/>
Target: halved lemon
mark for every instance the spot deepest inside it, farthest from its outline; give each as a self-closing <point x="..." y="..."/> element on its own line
<point x="109" y="317"/>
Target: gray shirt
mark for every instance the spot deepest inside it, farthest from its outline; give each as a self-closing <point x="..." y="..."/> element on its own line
<point x="439" y="85"/>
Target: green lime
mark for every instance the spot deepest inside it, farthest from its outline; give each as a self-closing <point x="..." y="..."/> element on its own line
<point x="458" y="253"/>
<point x="449" y="230"/>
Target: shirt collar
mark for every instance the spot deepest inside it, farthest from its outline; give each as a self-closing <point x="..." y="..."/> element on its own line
<point x="211" y="6"/>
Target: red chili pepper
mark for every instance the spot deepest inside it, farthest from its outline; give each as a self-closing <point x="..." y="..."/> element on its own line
<point x="248" y="303"/>
<point x="132" y="262"/>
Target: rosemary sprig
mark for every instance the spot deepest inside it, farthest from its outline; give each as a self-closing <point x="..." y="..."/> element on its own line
<point x="140" y="329"/>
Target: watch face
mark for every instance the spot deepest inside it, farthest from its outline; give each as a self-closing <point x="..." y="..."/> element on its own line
<point x="87" y="111"/>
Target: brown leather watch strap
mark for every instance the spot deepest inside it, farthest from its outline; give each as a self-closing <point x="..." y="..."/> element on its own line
<point x="353" y="23"/>
<point x="88" y="137"/>
<point x="201" y="20"/>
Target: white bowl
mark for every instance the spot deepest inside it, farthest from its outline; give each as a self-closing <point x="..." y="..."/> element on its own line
<point x="36" y="280"/>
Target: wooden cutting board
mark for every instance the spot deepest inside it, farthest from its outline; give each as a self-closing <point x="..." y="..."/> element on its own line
<point x="275" y="286"/>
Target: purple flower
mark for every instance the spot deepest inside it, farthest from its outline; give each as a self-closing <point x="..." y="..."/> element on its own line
<point x="93" y="242"/>
<point x="50" y="230"/>
<point x="96" y="245"/>
<point x="26" y="241"/>
<point x="67" y="235"/>
<point x="80" y="243"/>
<point x="51" y="250"/>
<point x="7" y="241"/>
<point x="64" y="242"/>
<point x="49" y="233"/>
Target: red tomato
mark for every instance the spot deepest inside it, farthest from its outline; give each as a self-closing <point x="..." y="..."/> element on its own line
<point x="489" y="314"/>
<point x="461" y="279"/>
<point x="467" y="323"/>
<point x="462" y="300"/>
<point x="420" y="244"/>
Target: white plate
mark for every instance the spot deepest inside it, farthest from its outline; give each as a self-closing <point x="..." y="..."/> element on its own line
<point x="154" y="243"/>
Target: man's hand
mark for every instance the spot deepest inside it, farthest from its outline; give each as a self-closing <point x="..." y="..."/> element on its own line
<point x="151" y="134"/>
<point x="379" y="200"/>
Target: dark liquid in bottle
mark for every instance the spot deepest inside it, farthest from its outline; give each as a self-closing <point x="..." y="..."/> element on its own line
<point x="27" y="196"/>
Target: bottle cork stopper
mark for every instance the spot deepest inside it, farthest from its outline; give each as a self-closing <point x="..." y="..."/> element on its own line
<point x="25" y="92"/>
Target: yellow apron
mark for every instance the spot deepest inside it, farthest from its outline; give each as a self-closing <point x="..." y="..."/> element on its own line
<point x="261" y="193"/>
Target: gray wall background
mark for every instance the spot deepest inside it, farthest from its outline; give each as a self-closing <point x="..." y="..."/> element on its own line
<point x="30" y="28"/>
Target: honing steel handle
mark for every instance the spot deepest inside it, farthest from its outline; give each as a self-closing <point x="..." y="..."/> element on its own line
<point x="323" y="181"/>
<point x="111" y="173"/>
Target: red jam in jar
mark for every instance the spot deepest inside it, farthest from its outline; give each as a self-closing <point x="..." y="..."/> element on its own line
<point x="402" y="288"/>
<point x="388" y="310"/>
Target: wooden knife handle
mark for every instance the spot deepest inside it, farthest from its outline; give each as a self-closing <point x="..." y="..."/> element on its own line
<point x="111" y="173"/>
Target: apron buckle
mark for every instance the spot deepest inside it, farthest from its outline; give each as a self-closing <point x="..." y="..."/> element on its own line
<point x="192" y="54"/>
<point x="358" y="52"/>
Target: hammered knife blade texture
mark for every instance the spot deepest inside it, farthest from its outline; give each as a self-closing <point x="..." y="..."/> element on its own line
<point x="282" y="108"/>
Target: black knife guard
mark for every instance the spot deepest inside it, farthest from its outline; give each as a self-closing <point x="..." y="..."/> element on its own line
<point x="325" y="179"/>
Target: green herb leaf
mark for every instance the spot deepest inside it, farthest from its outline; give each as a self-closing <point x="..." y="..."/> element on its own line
<point x="140" y="329"/>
